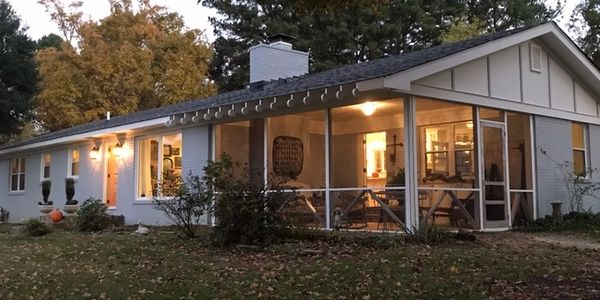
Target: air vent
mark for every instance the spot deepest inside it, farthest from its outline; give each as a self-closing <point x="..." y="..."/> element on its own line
<point x="535" y="56"/>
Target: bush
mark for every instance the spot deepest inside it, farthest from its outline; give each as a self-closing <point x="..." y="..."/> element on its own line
<point x="573" y="221"/>
<point x="35" y="227"/>
<point x="92" y="216"/>
<point x="245" y="209"/>
<point x="191" y="200"/>
<point x="427" y="234"/>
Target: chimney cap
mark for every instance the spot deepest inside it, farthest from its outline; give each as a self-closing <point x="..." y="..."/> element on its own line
<point x="280" y="37"/>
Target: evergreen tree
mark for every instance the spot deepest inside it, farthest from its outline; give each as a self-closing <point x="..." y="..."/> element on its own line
<point x="585" y="22"/>
<point x="18" y="76"/>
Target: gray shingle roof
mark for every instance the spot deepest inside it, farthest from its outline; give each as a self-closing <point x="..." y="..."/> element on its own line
<point x="347" y="74"/>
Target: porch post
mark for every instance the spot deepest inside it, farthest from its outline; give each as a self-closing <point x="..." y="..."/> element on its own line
<point x="411" y="204"/>
<point x="327" y="168"/>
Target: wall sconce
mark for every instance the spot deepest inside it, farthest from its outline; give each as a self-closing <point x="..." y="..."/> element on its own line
<point x="118" y="150"/>
<point x="95" y="153"/>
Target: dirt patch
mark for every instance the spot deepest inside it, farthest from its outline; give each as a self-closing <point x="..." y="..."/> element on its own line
<point x="568" y="241"/>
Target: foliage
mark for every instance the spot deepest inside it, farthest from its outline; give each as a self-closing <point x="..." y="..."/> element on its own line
<point x="585" y="22"/>
<point x="500" y="15"/>
<point x="35" y="227"/>
<point x="191" y="200"/>
<point x="336" y="32"/>
<point x="46" y="185"/>
<point x="464" y="29"/>
<point x="427" y="234"/>
<point x="18" y="75"/>
<point x="70" y="191"/>
<point x="578" y="186"/>
<point x="246" y="210"/>
<point x="92" y="216"/>
<point x="573" y="221"/>
<point x="133" y="59"/>
<point x="48" y="41"/>
<point x="344" y="32"/>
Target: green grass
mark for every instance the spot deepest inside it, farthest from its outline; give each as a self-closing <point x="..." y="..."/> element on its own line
<point x="119" y="265"/>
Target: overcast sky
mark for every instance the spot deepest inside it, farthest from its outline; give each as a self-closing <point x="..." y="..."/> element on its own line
<point x="195" y="15"/>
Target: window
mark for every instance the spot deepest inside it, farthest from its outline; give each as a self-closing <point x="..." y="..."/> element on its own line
<point x="74" y="163"/>
<point x="159" y="165"/>
<point x="46" y="161"/>
<point x="444" y="157"/>
<point x="17" y="174"/>
<point x="579" y="148"/>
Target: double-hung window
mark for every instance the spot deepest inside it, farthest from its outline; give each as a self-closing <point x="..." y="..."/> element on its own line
<point x="158" y="165"/>
<point x="579" y="148"/>
<point x="46" y="162"/>
<point x="73" y="163"/>
<point x="17" y="174"/>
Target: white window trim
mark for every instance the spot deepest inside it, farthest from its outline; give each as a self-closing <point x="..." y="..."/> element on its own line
<point x="21" y="160"/>
<point x="159" y="137"/>
<point x="42" y="165"/>
<point x="70" y="163"/>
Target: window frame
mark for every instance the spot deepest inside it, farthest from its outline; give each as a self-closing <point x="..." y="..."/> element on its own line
<point x="586" y="161"/>
<point x="160" y="137"/>
<point x="43" y="167"/>
<point x="70" y="163"/>
<point x="451" y="152"/>
<point x="21" y="165"/>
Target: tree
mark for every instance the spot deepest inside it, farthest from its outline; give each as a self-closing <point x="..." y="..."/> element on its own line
<point x="464" y="29"/>
<point x="335" y="32"/>
<point x="49" y="40"/>
<point x="500" y="15"/>
<point x="585" y="22"/>
<point x="134" y="59"/>
<point x="18" y="76"/>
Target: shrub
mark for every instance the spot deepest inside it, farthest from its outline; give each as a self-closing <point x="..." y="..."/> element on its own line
<point x="427" y="234"/>
<point x="92" y="216"/>
<point x="573" y="221"/>
<point x="246" y="210"/>
<point x="35" y="227"/>
<point x="70" y="191"/>
<point x="191" y="200"/>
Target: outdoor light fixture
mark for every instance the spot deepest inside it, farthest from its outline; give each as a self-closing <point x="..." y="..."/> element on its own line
<point x="368" y="108"/>
<point x="118" y="150"/>
<point x="95" y="153"/>
<point x="470" y="125"/>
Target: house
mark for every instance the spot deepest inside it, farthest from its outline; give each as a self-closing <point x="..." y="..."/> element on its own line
<point x="464" y="135"/>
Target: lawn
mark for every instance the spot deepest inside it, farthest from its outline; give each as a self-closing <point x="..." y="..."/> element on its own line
<point x="120" y="265"/>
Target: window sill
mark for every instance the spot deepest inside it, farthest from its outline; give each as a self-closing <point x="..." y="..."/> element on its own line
<point x="16" y="193"/>
<point x="142" y="201"/>
<point x="76" y="178"/>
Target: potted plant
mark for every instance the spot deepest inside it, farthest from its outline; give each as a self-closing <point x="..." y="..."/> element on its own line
<point x="46" y="206"/>
<point x="71" y="206"/>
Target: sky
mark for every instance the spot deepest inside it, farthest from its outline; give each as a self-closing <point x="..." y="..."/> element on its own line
<point x="39" y="23"/>
<point x="194" y="14"/>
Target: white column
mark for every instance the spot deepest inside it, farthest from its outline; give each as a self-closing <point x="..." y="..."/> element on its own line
<point x="411" y="205"/>
<point x="327" y="168"/>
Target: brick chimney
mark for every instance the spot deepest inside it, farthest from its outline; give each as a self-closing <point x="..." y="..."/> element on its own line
<point x="276" y="60"/>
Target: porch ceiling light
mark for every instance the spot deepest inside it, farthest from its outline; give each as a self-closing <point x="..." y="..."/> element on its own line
<point x="368" y="108"/>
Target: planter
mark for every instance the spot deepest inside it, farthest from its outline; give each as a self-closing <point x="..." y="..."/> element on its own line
<point x="45" y="209"/>
<point x="71" y="209"/>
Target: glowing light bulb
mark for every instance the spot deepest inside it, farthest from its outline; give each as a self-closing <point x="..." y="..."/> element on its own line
<point x="368" y="108"/>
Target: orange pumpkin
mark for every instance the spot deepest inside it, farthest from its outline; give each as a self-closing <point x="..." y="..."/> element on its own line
<point x="56" y="215"/>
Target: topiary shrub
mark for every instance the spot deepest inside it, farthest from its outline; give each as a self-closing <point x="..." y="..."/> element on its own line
<point x="70" y="191"/>
<point x="92" y="216"/>
<point x="35" y="227"/>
